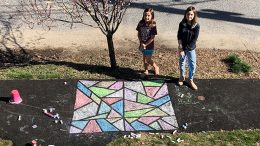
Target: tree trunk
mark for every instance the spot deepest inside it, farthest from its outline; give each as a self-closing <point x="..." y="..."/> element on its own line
<point x="111" y="50"/>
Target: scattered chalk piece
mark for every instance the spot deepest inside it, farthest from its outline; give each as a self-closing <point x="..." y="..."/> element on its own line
<point x="51" y="109"/>
<point x="179" y="140"/>
<point x="19" y="118"/>
<point x="162" y="136"/>
<point x="184" y="126"/>
<point x="174" y="132"/>
<point x="63" y="130"/>
<point x="44" y="110"/>
<point x="56" y="116"/>
<point x="138" y="136"/>
<point x="201" y="98"/>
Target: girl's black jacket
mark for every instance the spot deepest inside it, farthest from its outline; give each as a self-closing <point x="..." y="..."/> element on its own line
<point x="188" y="35"/>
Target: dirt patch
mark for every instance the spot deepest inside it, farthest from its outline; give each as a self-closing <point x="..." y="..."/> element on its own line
<point x="210" y="61"/>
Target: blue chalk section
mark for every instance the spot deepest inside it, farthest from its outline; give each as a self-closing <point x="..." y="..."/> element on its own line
<point x="106" y="126"/>
<point x="79" y="124"/>
<point x="140" y="126"/>
<point x="118" y="106"/>
<point x="83" y="89"/>
<point x="104" y="108"/>
<point x="160" y="101"/>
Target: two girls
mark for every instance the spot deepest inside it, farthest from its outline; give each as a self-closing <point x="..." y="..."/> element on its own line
<point x="188" y="33"/>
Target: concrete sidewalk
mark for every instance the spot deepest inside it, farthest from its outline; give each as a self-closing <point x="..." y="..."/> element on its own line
<point x="228" y="105"/>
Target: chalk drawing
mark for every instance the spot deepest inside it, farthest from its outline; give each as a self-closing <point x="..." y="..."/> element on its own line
<point x="22" y="129"/>
<point x="107" y="106"/>
<point x="186" y="98"/>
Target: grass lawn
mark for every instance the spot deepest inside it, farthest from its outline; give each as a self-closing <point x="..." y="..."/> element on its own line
<point x="5" y="142"/>
<point x="219" y="138"/>
<point x="211" y="138"/>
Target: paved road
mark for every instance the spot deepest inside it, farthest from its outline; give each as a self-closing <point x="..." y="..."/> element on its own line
<point x="228" y="105"/>
<point x="224" y="25"/>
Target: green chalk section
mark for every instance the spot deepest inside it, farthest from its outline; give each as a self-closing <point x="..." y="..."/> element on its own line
<point x="101" y="92"/>
<point x="153" y="83"/>
<point x="137" y="113"/>
<point x="143" y="99"/>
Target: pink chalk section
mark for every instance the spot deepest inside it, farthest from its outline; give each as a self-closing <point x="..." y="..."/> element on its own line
<point x="92" y="127"/>
<point x="110" y="100"/>
<point x="117" y="85"/>
<point x="150" y="91"/>
<point x="81" y="99"/>
<point x="129" y="105"/>
<point x="162" y="92"/>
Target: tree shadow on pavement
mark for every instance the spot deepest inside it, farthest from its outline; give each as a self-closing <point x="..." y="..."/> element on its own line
<point x="183" y="2"/>
<point x="203" y="13"/>
<point x="10" y="48"/>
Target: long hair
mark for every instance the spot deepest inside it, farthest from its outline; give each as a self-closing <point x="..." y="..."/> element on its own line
<point x="195" y="19"/>
<point x="152" y="22"/>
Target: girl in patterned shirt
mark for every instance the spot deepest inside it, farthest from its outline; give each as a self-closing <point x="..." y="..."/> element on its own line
<point x="146" y="32"/>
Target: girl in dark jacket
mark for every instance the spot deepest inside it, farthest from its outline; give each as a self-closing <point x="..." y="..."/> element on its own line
<point x="188" y="33"/>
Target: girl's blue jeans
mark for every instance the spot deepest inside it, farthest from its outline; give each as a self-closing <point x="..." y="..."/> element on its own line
<point x="190" y="57"/>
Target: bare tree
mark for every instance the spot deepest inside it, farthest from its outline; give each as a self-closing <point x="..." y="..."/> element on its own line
<point x="107" y="14"/>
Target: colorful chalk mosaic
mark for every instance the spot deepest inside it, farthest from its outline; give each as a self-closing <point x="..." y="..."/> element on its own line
<point x="110" y="106"/>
